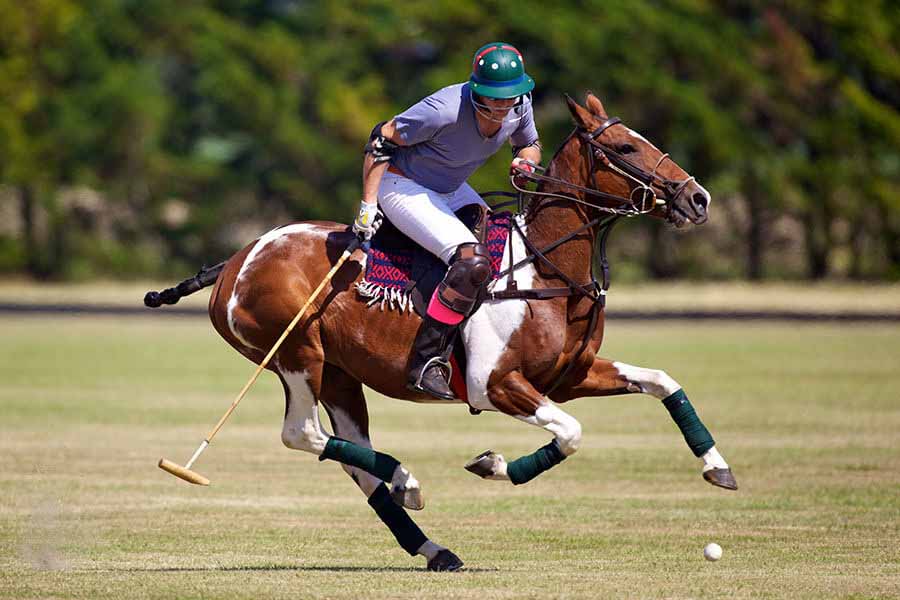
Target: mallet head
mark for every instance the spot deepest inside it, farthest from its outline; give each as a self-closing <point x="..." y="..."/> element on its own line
<point x="182" y="473"/>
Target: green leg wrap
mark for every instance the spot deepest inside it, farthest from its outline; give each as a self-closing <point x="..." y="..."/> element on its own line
<point x="408" y="534"/>
<point x="375" y="463"/>
<point x="528" y="467"/>
<point x="695" y="432"/>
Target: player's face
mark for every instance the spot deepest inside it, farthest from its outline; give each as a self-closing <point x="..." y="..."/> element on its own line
<point x="499" y="106"/>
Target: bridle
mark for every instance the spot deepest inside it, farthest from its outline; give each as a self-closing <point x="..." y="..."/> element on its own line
<point x="645" y="180"/>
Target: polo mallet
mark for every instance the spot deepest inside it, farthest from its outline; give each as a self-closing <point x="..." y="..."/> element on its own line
<point x="185" y="472"/>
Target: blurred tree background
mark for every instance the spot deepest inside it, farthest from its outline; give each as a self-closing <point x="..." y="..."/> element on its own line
<point x="147" y="137"/>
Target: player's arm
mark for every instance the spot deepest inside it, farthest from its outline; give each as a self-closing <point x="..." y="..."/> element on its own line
<point x="376" y="162"/>
<point x="382" y="144"/>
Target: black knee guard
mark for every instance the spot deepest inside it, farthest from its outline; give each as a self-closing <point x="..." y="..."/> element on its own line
<point x="470" y="268"/>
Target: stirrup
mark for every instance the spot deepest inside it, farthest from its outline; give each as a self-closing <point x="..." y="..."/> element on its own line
<point x="444" y="364"/>
<point x="438" y="361"/>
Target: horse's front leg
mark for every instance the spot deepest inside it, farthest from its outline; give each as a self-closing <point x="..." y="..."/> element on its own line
<point x="606" y="378"/>
<point x="515" y="396"/>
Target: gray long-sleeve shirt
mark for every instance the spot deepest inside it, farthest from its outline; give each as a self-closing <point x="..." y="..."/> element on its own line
<point x="443" y="143"/>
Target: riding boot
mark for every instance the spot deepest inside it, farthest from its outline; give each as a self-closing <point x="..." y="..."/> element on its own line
<point x="452" y="301"/>
<point x="429" y="366"/>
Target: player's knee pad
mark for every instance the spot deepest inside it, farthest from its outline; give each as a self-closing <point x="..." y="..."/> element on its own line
<point x="469" y="270"/>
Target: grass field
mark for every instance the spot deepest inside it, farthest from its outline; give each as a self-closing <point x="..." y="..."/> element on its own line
<point x="807" y="415"/>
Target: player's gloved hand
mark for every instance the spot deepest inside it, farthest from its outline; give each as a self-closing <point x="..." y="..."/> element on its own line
<point x="519" y="168"/>
<point x="367" y="221"/>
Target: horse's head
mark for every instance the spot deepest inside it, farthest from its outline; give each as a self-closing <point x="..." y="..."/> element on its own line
<point x="623" y="163"/>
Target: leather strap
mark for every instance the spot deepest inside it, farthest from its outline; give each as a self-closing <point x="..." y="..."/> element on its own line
<point x="603" y="127"/>
<point x="545" y="293"/>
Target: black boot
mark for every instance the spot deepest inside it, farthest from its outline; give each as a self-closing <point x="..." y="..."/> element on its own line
<point x="429" y="367"/>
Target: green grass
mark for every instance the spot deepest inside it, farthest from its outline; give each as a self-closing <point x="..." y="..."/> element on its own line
<point x="807" y="415"/>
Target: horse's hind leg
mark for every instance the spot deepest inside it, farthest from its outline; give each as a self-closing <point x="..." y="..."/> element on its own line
<point x="606" y="378"/>
<point x="343" y="399"/>
<point x="302" y="381"/>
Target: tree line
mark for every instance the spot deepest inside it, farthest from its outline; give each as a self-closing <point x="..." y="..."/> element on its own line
<point x="146" y="137"/>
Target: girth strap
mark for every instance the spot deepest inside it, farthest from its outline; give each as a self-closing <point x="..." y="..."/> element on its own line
<point x="547" y="293"/>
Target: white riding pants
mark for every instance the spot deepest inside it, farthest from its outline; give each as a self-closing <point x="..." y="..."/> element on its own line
<point x="427" y="216"/>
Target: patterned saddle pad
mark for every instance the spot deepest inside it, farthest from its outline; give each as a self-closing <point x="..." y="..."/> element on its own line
<point x="398" y="271"/>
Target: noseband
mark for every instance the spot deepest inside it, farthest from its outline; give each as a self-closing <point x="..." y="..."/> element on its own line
<point x="643" y="198"/>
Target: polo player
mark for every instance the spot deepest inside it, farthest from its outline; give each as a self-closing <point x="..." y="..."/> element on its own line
<point x="415" y="169"/>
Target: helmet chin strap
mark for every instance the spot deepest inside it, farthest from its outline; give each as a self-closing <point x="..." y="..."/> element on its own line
<point x="487" y="112"/>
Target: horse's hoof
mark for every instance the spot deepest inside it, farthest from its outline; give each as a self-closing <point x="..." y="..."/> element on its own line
<point x="445" y="561"/>
<point x="411" y="498"/>
<point x="152" y="300"/>
<point x="405" y="489"/>
<point x="722" y="478"/>
<point x="485" y="464"/>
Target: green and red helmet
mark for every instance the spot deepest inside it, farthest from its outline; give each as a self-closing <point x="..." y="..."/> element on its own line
<point x="498" y="71"/>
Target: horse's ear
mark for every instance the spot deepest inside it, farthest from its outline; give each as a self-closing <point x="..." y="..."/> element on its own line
<point x="582" y="117"/>
<point x="595" y="106"/>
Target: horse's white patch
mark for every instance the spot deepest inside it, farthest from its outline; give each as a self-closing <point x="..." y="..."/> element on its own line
<point x="713" y="460"/>
<point x="561" y="424"/>
<point x="302" y="430"/>
<point x="636" y="135"/>
<point x="649" y="381"/>
<point x="232" y="324"/>
<point x="429" y="549"/>
<point x="274" y="237"/>
<point x="487" y="333"/>
<point x="706" y="192"/>
<point x="403" y="481"/>
<point x="346" y="428"/>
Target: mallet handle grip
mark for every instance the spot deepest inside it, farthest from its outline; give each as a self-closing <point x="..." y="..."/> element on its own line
<point x="353" y="246"/>
<point x="197" y="454"/>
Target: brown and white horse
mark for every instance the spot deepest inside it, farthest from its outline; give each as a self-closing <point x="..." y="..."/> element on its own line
<point x="516" y="348"/>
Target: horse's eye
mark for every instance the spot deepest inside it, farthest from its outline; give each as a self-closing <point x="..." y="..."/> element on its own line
<point x="626" y="149"/>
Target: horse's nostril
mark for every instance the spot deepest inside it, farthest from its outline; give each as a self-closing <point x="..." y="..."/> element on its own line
<point x="700" y="201"/>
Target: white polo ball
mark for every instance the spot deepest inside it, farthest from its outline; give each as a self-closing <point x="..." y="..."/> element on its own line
<point x="712" y="552"/>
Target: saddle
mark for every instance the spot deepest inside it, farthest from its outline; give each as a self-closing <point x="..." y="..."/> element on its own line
<point x="402" y="275"/>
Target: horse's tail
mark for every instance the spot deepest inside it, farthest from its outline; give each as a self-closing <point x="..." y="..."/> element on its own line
<point x="204" y="278"/>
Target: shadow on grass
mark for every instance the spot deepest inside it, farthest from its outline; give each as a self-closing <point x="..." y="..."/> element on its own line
<point x="299" y="568"/>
